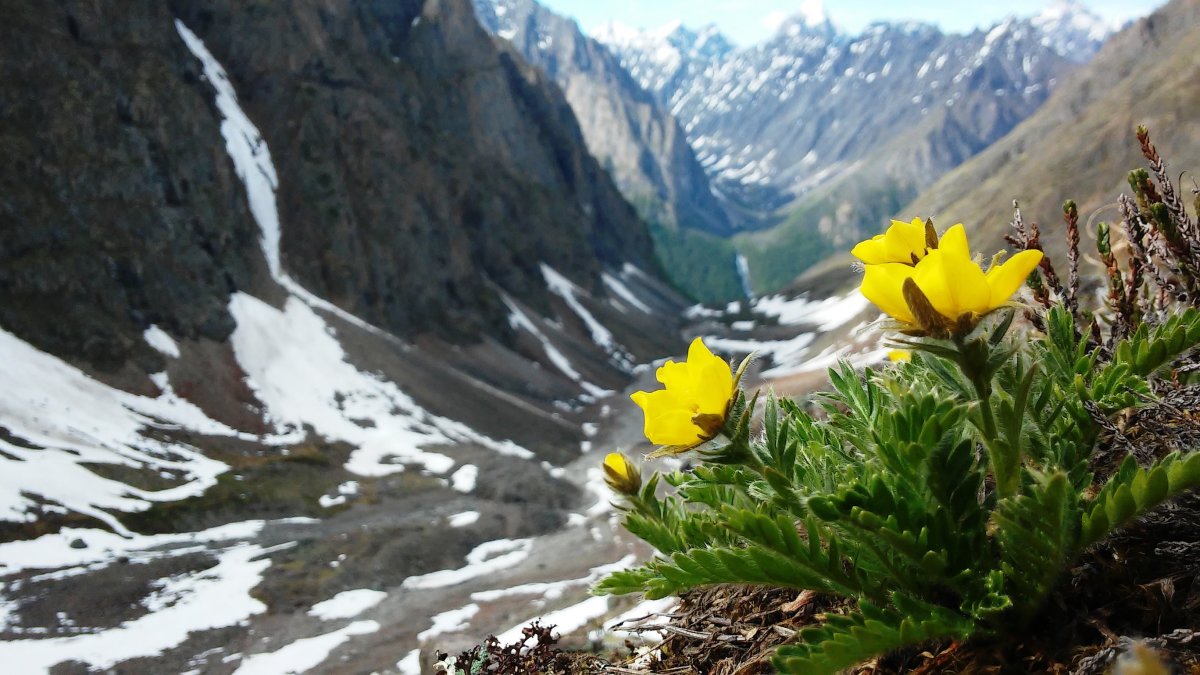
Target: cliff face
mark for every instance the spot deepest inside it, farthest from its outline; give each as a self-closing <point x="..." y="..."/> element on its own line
<point x="418" y="165"/>
<point x="626" y="128"/>
<point x="420" y="170"/>
<point x="118" y="209"/>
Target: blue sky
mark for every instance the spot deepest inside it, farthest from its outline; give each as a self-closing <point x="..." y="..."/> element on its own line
<point x="749" y="21"/>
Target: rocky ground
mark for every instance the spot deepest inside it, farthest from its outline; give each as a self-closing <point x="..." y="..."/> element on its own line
<point x="553" y="532"/>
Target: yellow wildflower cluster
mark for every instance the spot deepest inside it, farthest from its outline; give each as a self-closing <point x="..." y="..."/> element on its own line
<point x="933" y="286"/>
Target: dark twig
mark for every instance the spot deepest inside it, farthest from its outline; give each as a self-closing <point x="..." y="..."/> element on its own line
<point x="1169" y="197"/>
<point x="1071" y="216"/>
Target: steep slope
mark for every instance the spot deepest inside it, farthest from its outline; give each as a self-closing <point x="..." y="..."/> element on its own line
<point x="377" y="155"/>
<point x="637" y="140"/>
<point x="119" y="210"/>
<point x="1080" y="144"/>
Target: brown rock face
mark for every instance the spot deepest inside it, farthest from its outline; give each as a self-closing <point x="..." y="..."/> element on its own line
<point x="118" y="205"/>
<point x="419" y="168"/>
<point x="420" y="171"/>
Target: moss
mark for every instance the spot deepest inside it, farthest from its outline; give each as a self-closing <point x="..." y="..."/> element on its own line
<point x="256" y="487"/>
<point x="142" y="478"/>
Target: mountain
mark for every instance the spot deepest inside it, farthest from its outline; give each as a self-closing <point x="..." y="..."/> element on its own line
<point x="1080" y="144"/>
<point x="783" y="128"/>
<point x="641" y="144"/>
<point x="1072" y="30"/>
<point x="260" y="264"/>
<point x="637" y="140"/>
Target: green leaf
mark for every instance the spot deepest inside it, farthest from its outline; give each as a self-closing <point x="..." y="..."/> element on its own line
<point x="1036" y="532"/>
<point x="1134" y="490"/>
<point x="872" y="631"/>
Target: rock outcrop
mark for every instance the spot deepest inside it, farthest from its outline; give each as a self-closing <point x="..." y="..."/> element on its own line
<point x="632" y="134"/>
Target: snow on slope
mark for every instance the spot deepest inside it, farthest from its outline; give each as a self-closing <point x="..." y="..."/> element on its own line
<point x="1072" y="30"/>
<point x="792" y="355"/>
<point x="304" y="654"/>
<point x="297" y="368"/>
<point x="602" y="336"/>
<point x="517" y="318"/>
<point x="292" y="358"/>
<point x="58" y="419"/>
<point x="214" y="598"/>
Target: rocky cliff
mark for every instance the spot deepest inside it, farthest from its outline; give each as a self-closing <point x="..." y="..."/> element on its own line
<point x="419" y="165"/>
<point x="120" y="209"/>
<point x="626" y="128"/>
<point x="405" y="201"/>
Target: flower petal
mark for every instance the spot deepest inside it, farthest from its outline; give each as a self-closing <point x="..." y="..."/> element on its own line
<point x="883" y="285"/>
<point x="712" y="379"/>
<point x="954" y="241"/>
<point x="871" y="251"/>
<point x="674" y="375"/>
<point x="667" y="423"/>
<point x="905" y="241"/>
<point x="1004" y="280"/>
<point x="615" y="462"/>
<point x="952" y="281"/>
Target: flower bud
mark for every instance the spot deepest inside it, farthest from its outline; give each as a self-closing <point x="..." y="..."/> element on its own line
<point x="621" y="475"/>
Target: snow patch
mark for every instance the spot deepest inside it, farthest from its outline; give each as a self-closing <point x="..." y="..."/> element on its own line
<point x="826" y="315"/>
<point x="463" y="519"/>
<point x="304" y="654"/>
<point x="297" y="369"/>
<point x="161" y="342"/>
<point x="463" y="480"/>
<point x="486" y="558"/>
<point x="452" y="621"/>
<point x="214" y="598"/>
<point x="566" y="620"/>
<point x="622" y="291"/>
<point x="517" y="318"/>
<point x="347" y="604"/>
<point x="410" y="664"/>
<point x="58" y="419"/>
<point x="602" y="336"/>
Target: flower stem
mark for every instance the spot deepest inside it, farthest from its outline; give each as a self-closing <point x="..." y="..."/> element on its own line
<point x="1005" y="464"/>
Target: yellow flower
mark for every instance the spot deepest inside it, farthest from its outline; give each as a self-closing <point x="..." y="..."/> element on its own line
<point x="620" y="475"/>
<point x="946" y="292"/>
<point x="899" y="355"/>
<point x="692" y="407"/>
<point x="905" y="243"/>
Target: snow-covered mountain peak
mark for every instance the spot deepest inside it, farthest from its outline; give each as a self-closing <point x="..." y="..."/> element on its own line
<point x="1072" y="30"/>
<point x="811" y="20"/>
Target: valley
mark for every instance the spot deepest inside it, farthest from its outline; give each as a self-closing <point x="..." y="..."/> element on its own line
<point x="317" y="320"/>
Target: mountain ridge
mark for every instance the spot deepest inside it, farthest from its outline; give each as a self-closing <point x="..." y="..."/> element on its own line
<point x="780" y="126"/>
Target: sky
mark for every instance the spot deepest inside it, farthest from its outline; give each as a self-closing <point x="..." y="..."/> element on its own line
<point x="750" y="21"/>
